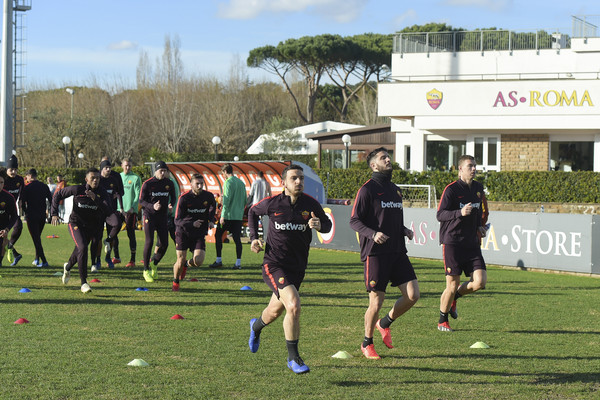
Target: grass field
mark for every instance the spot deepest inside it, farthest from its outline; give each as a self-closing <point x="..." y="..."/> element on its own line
<point x="543" y="331"/>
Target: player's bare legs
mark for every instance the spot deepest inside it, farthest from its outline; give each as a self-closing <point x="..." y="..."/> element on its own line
<point x="410" y="295"/>
<point x="372" y="314"/>
<point x="452" y="282"/>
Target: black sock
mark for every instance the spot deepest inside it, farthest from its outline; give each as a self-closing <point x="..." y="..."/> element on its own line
<point x="132" y="259"/>
<point x="258" y="325"/>
<point x="457" y="296"/>
<point x="176" y="280"/>
<point x="9" y="245"/>
<point x="385" y="322"/>
<point x="367" y="342"/>
<point x="292" y="347"/>
<point x="15" y="252"/>
<point x="443" y="317"/>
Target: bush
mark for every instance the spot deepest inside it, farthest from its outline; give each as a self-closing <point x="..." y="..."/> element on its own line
<point x="509" y="186"/>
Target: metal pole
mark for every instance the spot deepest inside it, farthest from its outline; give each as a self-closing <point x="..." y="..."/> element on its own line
<point x="66" y="162"/>
<point x="347" y="159"/>
<point x="216" y="152"/>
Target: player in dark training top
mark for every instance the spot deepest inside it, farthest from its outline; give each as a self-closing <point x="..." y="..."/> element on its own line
<point x="156" y="198"/>
<point x="112" y="183"/>
<point x="8" y="215"/>
<point x="194" y="215"/>
<point x="460" y="213"/>
<point x="14" y="184"/>
<point x="34" y="197"/>
<point x="292" y="216"/>
<point x="90" y="208"/>
<point x="378" y="217"/>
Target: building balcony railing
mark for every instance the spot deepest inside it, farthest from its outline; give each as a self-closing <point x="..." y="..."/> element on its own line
<point x="484" y="40"/>
<point x="495" y="40"/>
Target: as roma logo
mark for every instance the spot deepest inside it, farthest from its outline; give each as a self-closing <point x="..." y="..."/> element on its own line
<point x="434" y="98"/>
<point x="305" y="214"/>
<point x="281" y="280"/>
<point x="167" y="187"/>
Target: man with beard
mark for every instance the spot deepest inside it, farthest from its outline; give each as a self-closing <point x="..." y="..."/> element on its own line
<point x="378" y="217"/>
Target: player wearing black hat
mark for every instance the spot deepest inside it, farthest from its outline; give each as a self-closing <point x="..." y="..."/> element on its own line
<point x="157" y="197"/>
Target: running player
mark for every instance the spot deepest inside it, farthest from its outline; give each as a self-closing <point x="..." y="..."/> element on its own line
<point x="157" y="196"/>
<point x="461" y="227"/>
<point x="112" y="183"/>
<point x="8" y="215"/>
<point x="378" y="217"/>
<point x="35" y="207"/>
<point x="194" y="216"/>
<point x="131" y="185"/>
<point x="292" y="214"/>
<point x="14" y="184"/>
<point x="90" y="208"/>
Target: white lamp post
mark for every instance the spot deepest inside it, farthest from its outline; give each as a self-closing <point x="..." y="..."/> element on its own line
<point x="346" y="139"/>
<point x="216" y="141"/>
<point x="66" y="140"/>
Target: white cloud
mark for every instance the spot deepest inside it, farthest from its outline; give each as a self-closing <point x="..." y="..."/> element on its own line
<point x="123" y="45"/>
<point x="404" y="19"/>
<point x="494" y="5"/>
<point x="340" y="10"/>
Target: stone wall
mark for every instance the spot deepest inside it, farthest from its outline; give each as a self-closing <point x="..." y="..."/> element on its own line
<point x="525" y="152"/>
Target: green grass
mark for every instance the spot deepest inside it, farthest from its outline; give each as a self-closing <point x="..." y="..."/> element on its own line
<point x="543" y="329"/>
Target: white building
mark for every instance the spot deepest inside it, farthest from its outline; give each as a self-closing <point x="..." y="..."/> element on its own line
<point x="310" y="146"/>
<point x="515" y="101"/>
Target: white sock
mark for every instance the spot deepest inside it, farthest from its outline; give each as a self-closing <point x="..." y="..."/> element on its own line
<point x="238" y="261"/>
<point x="219" y="259"/>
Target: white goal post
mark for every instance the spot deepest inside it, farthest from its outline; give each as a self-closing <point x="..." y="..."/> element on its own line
<point x="419" y="194"/>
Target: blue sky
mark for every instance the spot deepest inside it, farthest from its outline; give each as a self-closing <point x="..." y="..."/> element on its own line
<point x="74" y="42"/>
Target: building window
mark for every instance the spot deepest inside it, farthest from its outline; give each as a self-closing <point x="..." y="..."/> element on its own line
<point x="444" y="155"/>
<point x="572" y="156"/>
<point x="486" y="152"/>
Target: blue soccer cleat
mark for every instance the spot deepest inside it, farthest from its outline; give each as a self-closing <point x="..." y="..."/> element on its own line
<point x="298" y="366"/>
<point x="254" y="340"/>
<point x="17" y="259"/>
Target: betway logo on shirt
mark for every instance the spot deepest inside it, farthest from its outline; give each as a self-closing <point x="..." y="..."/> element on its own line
<point x="391" y="204"/>
<point x="14" y="191"/>
<point x="288" y="226"/>
<point x="88" y="206"/>
<point x="474" y="205"/>
<point x="156" y="194"/>
<point x="196" y="210"/>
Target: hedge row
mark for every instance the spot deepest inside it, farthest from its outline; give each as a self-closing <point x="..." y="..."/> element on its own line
<point x="510" y="186"/>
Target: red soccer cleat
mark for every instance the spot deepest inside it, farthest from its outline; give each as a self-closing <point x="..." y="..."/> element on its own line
<point x="385" y="335"/>
<point x="175" y="287"/>
<point x="130" y="264"/>
<point x="445" y="327"/>
<point x="370" y="352"/>
<point x="453" y="312"/>
<point x="116" y="260"/>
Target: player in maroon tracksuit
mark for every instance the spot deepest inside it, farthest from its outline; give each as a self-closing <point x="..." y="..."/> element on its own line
<point x="157" y="196"/>
<point x="14" y="184"/>
<point x="35" y="199"/>
<point x="378" y="217"/>
<point x="90" y="208"/>
<point x="112" y="183"/>
<point x="194" y="215"/>
<point x="8" y="215"/>
<point x="460" y="214"/>
<point x="292" y="216"/>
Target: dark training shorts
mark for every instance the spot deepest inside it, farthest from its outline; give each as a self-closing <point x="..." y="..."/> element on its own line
<point x="277" y="278"/>
<point x="381" y="269"/>
<point x="187" y="242"/>
<point x="460" y="259"/>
